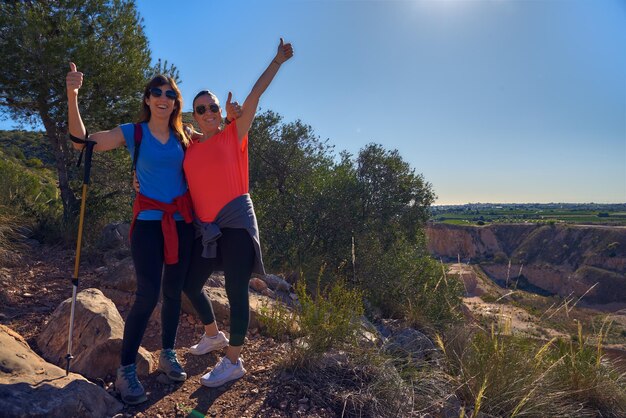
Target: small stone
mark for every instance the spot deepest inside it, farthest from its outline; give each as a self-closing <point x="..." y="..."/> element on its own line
<point x="255" y="391"/>
<point x="303" y="400"/>
<point x="283" y="405"/>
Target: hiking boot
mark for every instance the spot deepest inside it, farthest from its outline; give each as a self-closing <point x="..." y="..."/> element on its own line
<point x="208" y="344"/>
<point x="224" y="371"/>
<point x="168" y="364"/>
<point x="128" y="386"/>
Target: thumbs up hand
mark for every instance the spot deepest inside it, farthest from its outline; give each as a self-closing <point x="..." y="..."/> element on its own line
<point x="285" y="51"/>
<point x="233" y="109"/>
<point x="74" y="80"/>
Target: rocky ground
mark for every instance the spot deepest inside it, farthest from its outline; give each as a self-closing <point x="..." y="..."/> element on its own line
<point x="32" y="289"/>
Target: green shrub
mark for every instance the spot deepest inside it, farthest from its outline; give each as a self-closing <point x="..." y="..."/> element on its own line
<point x="278" y="321"/>
<point x="25" y="193"/>
<point x="16" y="152"/>
<point x="329" y="318"/>
<point x="404" y="282"/>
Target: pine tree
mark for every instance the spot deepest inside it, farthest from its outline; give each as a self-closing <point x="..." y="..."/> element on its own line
<point x="105" y="39"/>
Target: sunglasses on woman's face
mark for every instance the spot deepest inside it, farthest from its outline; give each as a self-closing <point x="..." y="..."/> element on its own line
<point x="157" y="92"/>
<point x="201" y="109"/>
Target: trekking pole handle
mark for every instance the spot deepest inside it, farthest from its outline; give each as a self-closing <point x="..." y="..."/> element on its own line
<point x="88" y="154"/>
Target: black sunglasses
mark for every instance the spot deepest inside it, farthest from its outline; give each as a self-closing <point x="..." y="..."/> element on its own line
<point x="202" y="108"/>
<point x="157" y="92"/>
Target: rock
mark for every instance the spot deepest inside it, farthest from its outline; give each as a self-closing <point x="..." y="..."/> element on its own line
<point x="114" y="236"/>
<point x="101" y="270"/>
<point x="257" y="302"/>
<point x="121" y="276"/>
<point x="97" y="337"/>
<point x="276" y="283"/>
<point x="216" y="280"/>
<point x="368" y="334"/>
<point x="29" y="386"/>
<point x="258" y="284"/>
<point x="333" y="359"/>
<point x="410" y="343"/>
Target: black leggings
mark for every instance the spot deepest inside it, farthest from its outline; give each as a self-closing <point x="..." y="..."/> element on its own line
<point x="236" y="252"/>
<point x="147" y="249"/>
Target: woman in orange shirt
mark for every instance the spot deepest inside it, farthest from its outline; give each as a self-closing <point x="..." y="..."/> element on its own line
<point x="227" y="238"/>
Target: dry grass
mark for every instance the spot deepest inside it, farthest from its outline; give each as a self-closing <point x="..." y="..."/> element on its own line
<point x="9" y="240"/>
<point x="512" y="375"/>
<point x="366" y="382"/>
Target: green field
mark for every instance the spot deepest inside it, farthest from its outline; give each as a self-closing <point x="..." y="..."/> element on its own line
<point x="485" y="214"/>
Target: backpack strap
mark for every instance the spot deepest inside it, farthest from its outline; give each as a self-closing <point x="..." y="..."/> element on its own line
<point x="138" y="135"/>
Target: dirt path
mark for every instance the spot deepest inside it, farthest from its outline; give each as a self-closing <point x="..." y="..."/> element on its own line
<point x="32" y="290"/>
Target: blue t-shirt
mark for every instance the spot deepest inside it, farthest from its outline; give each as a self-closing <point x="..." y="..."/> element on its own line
<point x="159" y="168"/>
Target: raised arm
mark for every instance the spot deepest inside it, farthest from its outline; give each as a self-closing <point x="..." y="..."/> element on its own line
<point x="106" y="140"/>
<point x="285" y="51"/>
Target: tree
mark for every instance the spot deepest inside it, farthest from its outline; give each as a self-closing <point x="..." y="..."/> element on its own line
<point x="37" y="40"/>
<point x="287" y="165"/>
<point x="391" y="193"/>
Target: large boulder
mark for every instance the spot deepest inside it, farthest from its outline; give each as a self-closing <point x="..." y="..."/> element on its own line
<point x="97" y="337"/>
<point x="31" y="387"/>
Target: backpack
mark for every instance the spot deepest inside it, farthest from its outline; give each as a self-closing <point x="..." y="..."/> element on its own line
<point x="138" y="136"/>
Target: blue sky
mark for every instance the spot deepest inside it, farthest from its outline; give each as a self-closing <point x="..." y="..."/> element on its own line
<point x="492" y="100"/>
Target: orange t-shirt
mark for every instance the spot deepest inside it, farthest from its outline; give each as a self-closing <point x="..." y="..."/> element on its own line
<point x="216" y="172"/>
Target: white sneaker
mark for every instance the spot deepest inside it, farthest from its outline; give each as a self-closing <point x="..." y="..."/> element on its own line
<point x="224" y="371"/>
<point x="208" y="344"/>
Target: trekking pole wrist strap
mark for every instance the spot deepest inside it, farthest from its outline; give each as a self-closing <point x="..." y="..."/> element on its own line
<point x="81" y="141"/>
<point x="77" y="140"/>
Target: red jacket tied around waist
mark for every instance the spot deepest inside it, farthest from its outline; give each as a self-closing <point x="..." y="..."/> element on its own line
<point x="181" y="204"/>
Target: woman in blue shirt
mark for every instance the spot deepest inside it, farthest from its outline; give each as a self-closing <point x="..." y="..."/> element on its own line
<point x="159" y="169"/>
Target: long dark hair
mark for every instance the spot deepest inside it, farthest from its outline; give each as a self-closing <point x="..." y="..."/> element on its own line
<point x="176" y="118"/>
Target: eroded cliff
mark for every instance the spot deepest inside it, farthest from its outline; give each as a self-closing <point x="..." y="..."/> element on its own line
<point x="560" y="259"/>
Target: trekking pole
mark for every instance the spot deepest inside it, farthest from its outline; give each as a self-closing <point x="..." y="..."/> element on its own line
<point x="88" y="153"/>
